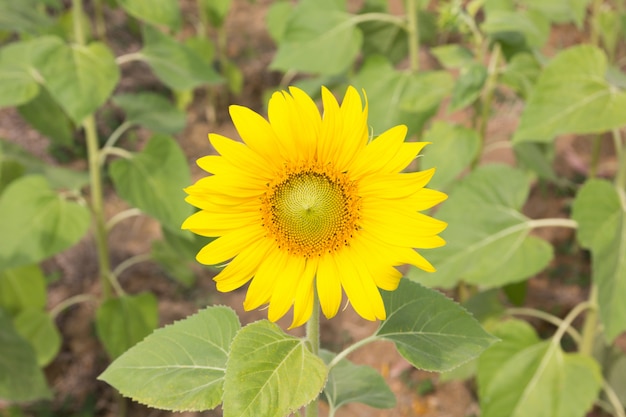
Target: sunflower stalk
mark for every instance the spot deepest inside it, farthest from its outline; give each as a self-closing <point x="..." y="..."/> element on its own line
<point x="95" y="177"/>
<point x="412" y="8"/>
<point x="313" y="339"/>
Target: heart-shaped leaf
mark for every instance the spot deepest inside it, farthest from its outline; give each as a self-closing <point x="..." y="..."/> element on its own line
<point x="39" y="222"/>
<point x="602" y="228"/>
<point x="122" y="322"/>
<point x="570" y="88"/>
<point x="431" y="331"/>
<point x="269" y="373"/>
<point x="22" y="288"/>
<point x="158" y="12"/>
<point x="181" y="366"/>
<point x="153" y="181"/>
<point x="36" y="326"/>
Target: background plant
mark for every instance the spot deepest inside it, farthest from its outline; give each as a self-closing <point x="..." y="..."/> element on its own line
<point x="489" y="55"/>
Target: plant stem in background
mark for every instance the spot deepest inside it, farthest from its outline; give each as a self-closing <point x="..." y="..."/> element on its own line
<point x="95" y="178"/>
<point x="313" y="339"/>
<point x="99" y="24"/>
<point x="413" y="34"/>
<point x="487" y="99"/>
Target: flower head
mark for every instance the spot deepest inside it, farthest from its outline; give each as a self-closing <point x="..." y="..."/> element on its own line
<point x="307" y="202"/>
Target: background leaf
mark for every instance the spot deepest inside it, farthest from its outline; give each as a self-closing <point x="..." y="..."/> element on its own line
<point x="350" y="383"/>
<point x="151" y="110"/>
<point x="45" y="115"/>
<point x="158" y="12"/>
<point x="164" y="370"/>
<point x="79" y="78"/>
<point x="22" y="288"/>
<point x="400" y="97"/>
<point x="452" y="150"/>
<point x="36" y="326"/>
<point x="153" y="181"/>
<point x="431" y="331"/>
<point x="177" y="65"/>
<point x="488" y="241"/>
<point x="19" y="76"/>
<point x="124" y="321"/>
<point x="602" y="228"/>
<point x="20" y="378"/>
<point x="39" y="222"/>
<point x="318" y="38"/>
<point x="58" y="178"/>
<point x="22" y="16"/>
<point x="527" y="377"/>
<point x="468" y="86"/>
<point x="570" y="88"/>
<point x="263" y="361"/>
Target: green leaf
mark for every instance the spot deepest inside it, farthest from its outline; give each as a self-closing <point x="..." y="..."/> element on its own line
<point x="215" y="11"/>
<point x="39" y="222"/>
<point x="521" y="73"/>
<point x="22" y="16"/>
<point x="37" y="327"/>
<point x="350" y="383"/>
<point x="383" y="38"/>
<point x="153" y="181"/>
<point x="532" y="27"/>
<point x="45" y="115"/>
<point x="452" y="150"/>
<point x="177" y="255"/>
<point x="318" y="39"/>
<point x="536" y="379"/>
<point x="124" y="321"/>
<point x="9" y="171"/>
<point x="19" y="77"/>
<point x="58" y="178"/>
<point x="181" y="366"/>
<point x="453" y="55"/>
<point x="468" y="86"/>
<point x="536" y="157"/>
<point x="561" y="11"/>
<point x="602" y="228"/>
<point x="79" y="78"/>
<point x="431" y="331"/>
<point x="269" y="373"/>
<point x="400" y="97"/>
<point x="276" y="19"/>
<point x="21" y="379"/>
<point x="22" y="288"/>
<point x="572" y="87"/>
<point x="152" y="111"/>
<point x="177" y="65"/>
<point x="492" y="246"/>
<point x="158" y="12"/>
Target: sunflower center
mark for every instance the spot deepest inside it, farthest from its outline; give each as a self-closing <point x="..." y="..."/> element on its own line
<point x="309" y="212"/>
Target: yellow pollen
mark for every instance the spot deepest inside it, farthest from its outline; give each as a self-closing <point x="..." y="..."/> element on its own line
<point x="310" y="211"/>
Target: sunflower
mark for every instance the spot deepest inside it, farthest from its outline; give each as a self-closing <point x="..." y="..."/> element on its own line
<point x="307" y="202"/>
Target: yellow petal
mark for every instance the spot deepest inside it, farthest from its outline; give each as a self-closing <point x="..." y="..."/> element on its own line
<point x="378" y="152"/>
<point x="210" y="222"/>
<point x="284" y="293"/>
<point x="241" y="156"/>
<point x="425" y="198"/>
<point x="229" y="245"/>
<point x="412" y="257"/>
<point x="264" y="281"/>
<point x="256" y="132"/>
<point x="394" y="186"/>
<point x="400" y="228"/>
<point x="328" y="286"/>
<point x="241" y="269"/>
<point x="303" y="305"/>
<point x="359" y="286"/>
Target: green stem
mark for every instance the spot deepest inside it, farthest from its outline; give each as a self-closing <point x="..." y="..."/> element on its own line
<point x="590" y="324"/>
<point x="594" y="38"/>
<point x="133" y="260"/>
<point x="313" y="339"/>
<point x="100" y="26"/>
<point x="77" y="14"/>
<point x="67" y="303"/>
<point x="487" y="99"/>
<point x="413" y="34"/>
<point x="95" y="178"/>
<point x="97" y="204"/>
<point x="344" y="353"/>
<point x="556" y="321"/>
<point x="122" y="215"/>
